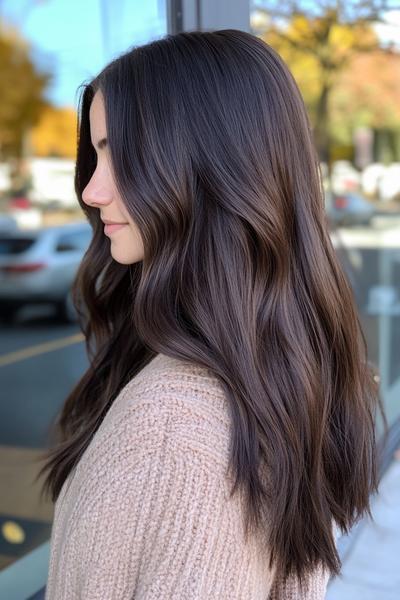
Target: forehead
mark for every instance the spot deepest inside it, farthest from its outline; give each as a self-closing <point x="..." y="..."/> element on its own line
<point x="97" y="111"/>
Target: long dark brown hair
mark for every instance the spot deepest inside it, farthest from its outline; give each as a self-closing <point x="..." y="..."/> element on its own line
<point x="213" y="157"/>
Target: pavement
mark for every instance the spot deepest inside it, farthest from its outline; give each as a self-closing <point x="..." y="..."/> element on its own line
<point x="371" y="568"/>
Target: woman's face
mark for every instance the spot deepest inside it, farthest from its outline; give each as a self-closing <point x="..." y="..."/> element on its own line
<point x="101" y="192"/>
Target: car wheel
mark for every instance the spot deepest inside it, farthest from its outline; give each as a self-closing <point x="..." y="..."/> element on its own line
<point x="66" y="309"/>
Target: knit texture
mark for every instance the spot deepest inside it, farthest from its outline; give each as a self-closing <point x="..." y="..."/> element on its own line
<point x="146" y="514"/>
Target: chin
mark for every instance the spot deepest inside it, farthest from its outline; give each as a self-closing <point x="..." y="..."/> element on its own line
<point x="125" y="259"/>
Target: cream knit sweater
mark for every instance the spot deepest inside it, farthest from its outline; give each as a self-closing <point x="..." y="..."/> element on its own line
<point x="146" y="515"/>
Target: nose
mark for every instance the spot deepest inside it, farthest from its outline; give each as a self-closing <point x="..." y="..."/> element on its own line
<point x="96" y="193"/>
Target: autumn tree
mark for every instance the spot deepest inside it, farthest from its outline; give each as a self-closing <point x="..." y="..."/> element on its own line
<point x="55" y="133"/>
<point x="371" y="87"/>
<point x="318" y="41"/>
<point x="22" y="99"/>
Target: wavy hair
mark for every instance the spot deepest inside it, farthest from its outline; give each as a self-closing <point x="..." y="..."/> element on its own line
<point x="213" y="156"/>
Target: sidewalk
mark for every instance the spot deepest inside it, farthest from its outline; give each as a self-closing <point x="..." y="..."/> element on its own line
<point x="371" y="570"/>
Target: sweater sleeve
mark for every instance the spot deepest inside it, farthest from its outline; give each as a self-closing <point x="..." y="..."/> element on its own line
<point x="148" y="523"/>
<point x="316" y="589"/>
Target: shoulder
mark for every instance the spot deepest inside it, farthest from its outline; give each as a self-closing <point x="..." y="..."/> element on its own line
<point x="177" y="377"/>
<point x="184" y="400"/>
<point x="171" y="404"/>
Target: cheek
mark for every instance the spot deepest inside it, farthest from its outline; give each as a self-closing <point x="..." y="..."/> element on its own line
<point x="135" y="234"/>
<point x="136" y="237"/>
<point x="129" y="236"/>
<point x="132" y="232"/>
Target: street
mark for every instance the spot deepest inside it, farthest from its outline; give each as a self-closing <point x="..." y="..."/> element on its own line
<point x="40" y="361"/>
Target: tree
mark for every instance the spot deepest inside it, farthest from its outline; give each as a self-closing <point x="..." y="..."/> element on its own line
<point x="371" y="86"/>
<point x="22" y="89"/>
<point x="55" y="133"/>
<point x="324" y="36"/>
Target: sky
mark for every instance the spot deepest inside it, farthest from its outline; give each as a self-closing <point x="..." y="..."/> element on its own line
<point x="75" y="39"/>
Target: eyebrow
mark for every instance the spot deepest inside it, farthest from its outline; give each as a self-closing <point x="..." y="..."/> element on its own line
<point x="102" y="143"/>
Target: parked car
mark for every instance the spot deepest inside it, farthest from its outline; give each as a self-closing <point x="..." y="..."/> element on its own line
<point x="38" y="266"/>
<point x="349" y="208"/>
<point x="8" y="223"/>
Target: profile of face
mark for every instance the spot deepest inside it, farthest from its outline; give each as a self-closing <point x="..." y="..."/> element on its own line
<point x="101" y="192"/>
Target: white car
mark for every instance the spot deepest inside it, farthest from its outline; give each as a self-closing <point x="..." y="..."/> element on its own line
<point x="38" y="266"/>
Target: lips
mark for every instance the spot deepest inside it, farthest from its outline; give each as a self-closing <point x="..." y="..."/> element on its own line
<point x="112" y="227"/>
<point x="109" y="222"/>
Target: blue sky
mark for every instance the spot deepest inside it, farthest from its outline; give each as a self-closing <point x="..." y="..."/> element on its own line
<point x="76" y="38"/>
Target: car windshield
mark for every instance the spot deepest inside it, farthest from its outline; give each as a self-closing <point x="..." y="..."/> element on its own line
<point x="14" y="245"/>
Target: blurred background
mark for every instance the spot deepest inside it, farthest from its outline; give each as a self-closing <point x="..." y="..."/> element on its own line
<point x="345" y="57"/>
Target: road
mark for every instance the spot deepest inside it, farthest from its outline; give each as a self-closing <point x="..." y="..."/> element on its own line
<point x="40" y="361"/>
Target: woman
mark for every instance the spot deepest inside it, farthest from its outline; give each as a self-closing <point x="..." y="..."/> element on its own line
<point x="225" y="424"/>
